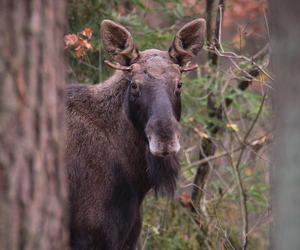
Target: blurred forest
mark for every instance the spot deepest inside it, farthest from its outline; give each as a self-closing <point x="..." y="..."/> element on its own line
<point x="222" y="200"/>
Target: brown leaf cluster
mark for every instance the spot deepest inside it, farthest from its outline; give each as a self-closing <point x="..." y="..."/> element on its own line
<point x="79" y="43"/>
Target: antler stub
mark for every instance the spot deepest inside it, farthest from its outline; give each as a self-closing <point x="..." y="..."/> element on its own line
<point x="118" y="66"/>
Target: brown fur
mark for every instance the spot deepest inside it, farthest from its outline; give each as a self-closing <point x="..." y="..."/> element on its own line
<point x="109" y="164"/>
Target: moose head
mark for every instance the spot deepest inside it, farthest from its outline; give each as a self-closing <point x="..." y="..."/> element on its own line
<point x="153" y="97"/>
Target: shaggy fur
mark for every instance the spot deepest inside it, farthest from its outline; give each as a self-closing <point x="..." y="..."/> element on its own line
<point x="162" y="173"/>
<point x="110" y="167"/>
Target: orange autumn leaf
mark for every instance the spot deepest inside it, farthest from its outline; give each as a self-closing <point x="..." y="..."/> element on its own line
<point x="70" y="40"/>
<point x="87" y="45"/>
<point x="80" y="52"/>
<point x="87" y="32"/>
<point x="80" y="44"/>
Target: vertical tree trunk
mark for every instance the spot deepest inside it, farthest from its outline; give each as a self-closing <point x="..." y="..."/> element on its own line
<point x="285" y="32"/>
<point x="33" y="194"/>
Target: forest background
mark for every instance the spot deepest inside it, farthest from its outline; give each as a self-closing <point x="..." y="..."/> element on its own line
<point x="223" y="199"/>
<point x="228" y="180"/>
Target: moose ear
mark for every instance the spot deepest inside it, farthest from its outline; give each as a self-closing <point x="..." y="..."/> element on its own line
<point x="118" y="42"/>
<point x="188" y="41"/>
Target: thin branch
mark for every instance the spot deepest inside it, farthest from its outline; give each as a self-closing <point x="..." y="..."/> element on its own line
<point x="225" y="153"/>
<point x="211" y="158"/>
<point x="256" y="118"/>
<point x="88" y="65"/>
<point x="233" y="55"/>
<point x="236" y="168"/>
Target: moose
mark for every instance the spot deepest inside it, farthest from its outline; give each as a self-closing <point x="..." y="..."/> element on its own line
<point x="123" y="136"/>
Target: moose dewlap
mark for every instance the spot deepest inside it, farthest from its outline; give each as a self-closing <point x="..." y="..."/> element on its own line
<point x="123" y="136"/>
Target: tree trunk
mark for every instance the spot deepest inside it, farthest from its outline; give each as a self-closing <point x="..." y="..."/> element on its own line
<point x="33" y="193"/>
<point x="285" y="32"/>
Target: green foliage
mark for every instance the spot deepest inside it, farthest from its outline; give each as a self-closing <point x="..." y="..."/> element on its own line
<point x="168" y="224"/>
<point x="171" y="228"/>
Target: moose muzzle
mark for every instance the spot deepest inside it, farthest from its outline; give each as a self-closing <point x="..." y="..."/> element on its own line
<point x="163" y="136"/>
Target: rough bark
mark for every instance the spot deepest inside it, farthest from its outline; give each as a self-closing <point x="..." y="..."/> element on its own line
<point x="285" y="35"/>
<point x="33" y="191"/>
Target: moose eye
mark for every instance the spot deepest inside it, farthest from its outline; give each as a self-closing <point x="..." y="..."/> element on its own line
<point x="134" y="85"/>
<point x="178" y="89"/>
<point x="135" y="90"/>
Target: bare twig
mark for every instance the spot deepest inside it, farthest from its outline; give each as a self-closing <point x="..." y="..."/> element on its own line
<point x="88" y="65"/>
<point x="236" y="168"/>
<point x="211" y="158"/>
<point x="232" y="55"/>
<point x="225" y="153"/>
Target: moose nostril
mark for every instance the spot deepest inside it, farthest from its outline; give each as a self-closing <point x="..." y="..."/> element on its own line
<point x="165" y="153"/>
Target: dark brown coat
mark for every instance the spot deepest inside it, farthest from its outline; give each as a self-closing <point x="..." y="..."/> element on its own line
<point x="123" y="136"/>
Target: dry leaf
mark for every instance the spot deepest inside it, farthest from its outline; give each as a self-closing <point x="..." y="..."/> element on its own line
<point x="191" y="119"/>
<point x="155" y="230"/>
<point x="85" y="44"/>
<point x="87" y="32"/>
<point x="232" y="126"/>
<point x="248" y="172"/>
<point x="201" y="133"/>
<point x="70" y="40"/>
<point x="260" y="141"/>
<point x="80" y="52"/>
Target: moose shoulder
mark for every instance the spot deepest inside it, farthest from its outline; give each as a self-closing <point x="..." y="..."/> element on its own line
<point x="123" y="136"/>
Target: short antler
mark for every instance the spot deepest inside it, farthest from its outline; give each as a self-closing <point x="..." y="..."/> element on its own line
<point x="188" y="67"/>
<point x="118" y="66"/>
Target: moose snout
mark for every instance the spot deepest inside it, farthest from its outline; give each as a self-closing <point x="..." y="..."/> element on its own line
<point x="163" y="148"/>
<point x="163" y="137"/>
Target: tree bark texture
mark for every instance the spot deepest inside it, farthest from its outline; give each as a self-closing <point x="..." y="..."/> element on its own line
<point x="285" y="35"/>
<point x="33" y="190"/>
